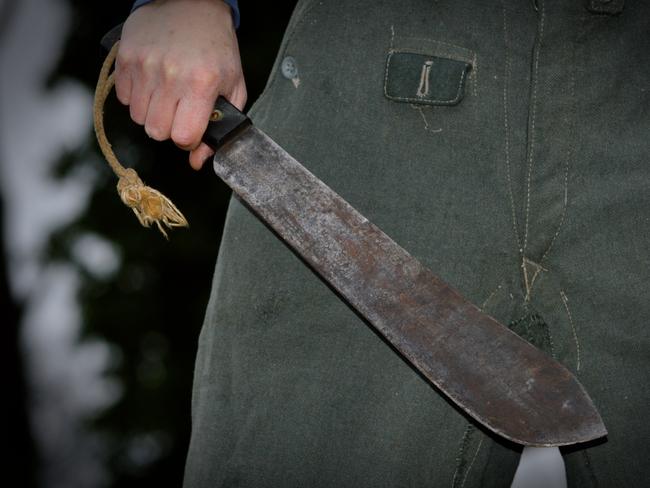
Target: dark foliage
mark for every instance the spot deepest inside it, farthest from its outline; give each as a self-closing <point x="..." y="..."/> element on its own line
<point x="152" y="308"/>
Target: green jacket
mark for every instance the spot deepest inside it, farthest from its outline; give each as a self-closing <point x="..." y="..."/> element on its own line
<point x="516" y="166"/>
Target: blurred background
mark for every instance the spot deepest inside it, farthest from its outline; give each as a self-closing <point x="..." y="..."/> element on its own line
<point x="100" y="317"/>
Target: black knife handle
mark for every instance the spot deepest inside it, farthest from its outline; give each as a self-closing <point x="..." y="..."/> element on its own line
<point x="225" y="123"/>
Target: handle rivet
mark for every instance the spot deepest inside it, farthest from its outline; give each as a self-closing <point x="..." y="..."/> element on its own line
<point x="216" y="115"/>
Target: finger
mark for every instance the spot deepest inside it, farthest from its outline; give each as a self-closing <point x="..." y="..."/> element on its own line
<point x="190" y="121"/>
<point x="160" y="114"/>
<point x="200" y="155"/>
<point x="139" y="100"/>
<point x="122" y="81"/>
<point x="239" y="96"/>
<point x="143" y="81"/>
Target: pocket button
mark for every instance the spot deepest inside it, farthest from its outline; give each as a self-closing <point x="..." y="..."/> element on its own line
<point x="289" y="68"/>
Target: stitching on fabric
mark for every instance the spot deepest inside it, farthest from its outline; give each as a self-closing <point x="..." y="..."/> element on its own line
<point x="452" y="101"/>
<point x="460" y="457"/>
<point x="565" y="301"/>
<point x="529" y="283"/>
<point x="569" y="154"/>
<point x="564" y="207"/>
<point x="490" y="296"/>
<point x="438" y="53"/>
<point x="551" y="343"/>
<point x="420" y="109"/>
<point x="439" y="42"/>
<point x="473" y="75"/>
<point x="390" y="53"/>
<point x="531" y="155"/>
<point x="469" y="468"/>
<point x="506" y="124"/>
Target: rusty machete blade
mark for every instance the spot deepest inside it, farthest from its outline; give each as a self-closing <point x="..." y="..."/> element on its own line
<point x="499" y="379"/>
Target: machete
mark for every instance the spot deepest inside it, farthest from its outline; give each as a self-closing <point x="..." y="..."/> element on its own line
<point x="499" y="379"/>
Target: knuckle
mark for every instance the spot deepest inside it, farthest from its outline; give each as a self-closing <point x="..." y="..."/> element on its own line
<point x="147" y="60"/>
<point x="156" y="132"/>
<point x="125" y="57"/>
<point x="170" y="69"/>
<point x="203" y="80"/>
<point x="149" y="63"/>
<point x="183" y="138"/>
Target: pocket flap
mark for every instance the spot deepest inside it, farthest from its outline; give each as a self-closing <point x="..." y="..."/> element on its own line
<point x="420" y="78"/>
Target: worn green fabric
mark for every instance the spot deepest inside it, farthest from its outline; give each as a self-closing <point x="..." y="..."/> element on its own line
<point x="530" y="196"/>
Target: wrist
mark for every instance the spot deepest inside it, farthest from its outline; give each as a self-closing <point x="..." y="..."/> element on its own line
<point x="233" y="4"/>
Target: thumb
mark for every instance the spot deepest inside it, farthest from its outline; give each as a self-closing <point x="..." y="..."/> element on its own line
<point x="199" y="155"/>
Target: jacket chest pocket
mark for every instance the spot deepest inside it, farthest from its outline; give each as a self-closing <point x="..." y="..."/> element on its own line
<point x="427" y="72"/>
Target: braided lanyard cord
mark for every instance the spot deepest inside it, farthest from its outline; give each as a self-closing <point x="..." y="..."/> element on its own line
<point x="149" y="205"/>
